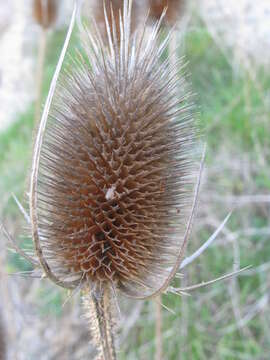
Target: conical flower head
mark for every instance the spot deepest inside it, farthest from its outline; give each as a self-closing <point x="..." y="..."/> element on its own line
<point x="116" y="172"/>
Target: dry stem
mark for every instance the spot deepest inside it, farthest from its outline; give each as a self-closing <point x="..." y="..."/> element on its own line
<point x="100" y="315"/>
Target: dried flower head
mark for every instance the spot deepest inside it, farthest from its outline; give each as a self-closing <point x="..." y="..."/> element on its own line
<point x="44" y="12"/>
<point x="174" y="9"/>
<point x="115" y="167"/>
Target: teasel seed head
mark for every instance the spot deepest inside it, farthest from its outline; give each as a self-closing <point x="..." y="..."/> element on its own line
<point x="173" y="12"/>
<point x="116" y="168"/>
<point x="45" y="12"/>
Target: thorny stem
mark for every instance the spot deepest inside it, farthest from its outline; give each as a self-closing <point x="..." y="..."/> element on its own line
<point x="99" y="308"/>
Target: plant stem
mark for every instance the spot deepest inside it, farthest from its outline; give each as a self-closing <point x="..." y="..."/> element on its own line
<point x="99" y="310"/>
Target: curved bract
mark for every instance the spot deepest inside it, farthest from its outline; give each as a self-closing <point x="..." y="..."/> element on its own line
<point x="115" y="182"/>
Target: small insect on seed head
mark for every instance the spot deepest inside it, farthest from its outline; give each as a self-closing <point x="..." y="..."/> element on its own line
<point x="44" y="12"/>
<point x="117" y="165"/>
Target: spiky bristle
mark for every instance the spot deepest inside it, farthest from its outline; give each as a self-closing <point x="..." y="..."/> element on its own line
<point x="116" y="170"/>
<point x="114" y="10"/>
<point x="44" y="12"/>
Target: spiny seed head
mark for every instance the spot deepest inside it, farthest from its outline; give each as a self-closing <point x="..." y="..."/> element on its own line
<point x="44" y="12"/>
<point x="116" y="175"/>
<point x="174" y="9"/>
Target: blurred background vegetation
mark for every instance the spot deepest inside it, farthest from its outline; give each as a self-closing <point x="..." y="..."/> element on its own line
<point x="229" y="320"/>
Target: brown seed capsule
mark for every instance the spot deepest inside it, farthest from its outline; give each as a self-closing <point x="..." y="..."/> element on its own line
<point x="174" y="9"/>
<point x="115" y="7"/>
<point x="44" y="12"/>
<point x="115" y="179"/>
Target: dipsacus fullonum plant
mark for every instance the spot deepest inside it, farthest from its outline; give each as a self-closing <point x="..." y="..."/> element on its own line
<point x="114" y="171"/>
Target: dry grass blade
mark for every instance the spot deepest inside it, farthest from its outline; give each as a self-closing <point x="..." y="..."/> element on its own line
<point x="23" y="211"/>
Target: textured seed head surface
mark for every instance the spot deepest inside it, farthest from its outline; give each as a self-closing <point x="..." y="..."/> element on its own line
<point x="174" y="9"/>
<point x="44" y="12"/>
<point x="116" y="170"/>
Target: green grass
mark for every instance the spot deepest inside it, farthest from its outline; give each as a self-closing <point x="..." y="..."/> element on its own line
<point x="233" y="115"/>
<point x="222" y="95"/>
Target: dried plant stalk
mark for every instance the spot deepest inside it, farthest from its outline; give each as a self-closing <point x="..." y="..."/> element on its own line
<point x="112" y="185"/>
<point x="45" y="12"/>
<point x="99" y="311"/>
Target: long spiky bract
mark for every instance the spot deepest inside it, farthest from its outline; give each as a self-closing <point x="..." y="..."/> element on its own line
<point x="112" y="185"/>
